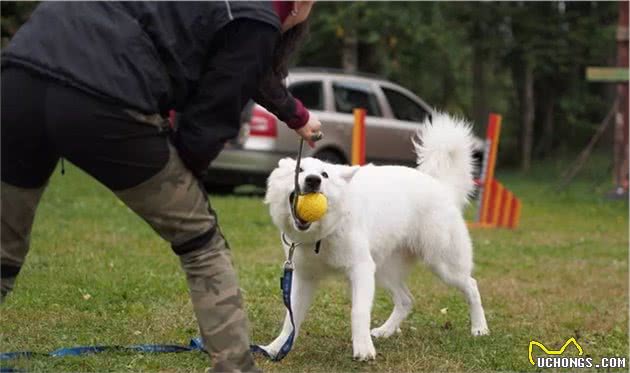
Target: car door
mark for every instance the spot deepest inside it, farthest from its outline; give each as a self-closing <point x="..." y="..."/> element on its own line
<point x="409" y="113"/>
<point x="349" y="94"/>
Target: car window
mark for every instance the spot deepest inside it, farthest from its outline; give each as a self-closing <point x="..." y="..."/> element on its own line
<point x="310" y="93"/>
<point x="403" y="107"/>
<point x="351" y="95"/>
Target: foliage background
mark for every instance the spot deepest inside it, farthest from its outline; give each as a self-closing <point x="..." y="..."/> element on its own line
<point x="471" y="58"/>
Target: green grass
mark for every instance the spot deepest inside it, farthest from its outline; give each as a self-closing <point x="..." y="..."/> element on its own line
<point x="96" y="274"/>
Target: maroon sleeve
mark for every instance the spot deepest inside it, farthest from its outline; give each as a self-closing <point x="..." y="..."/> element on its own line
<point x="300" y="116"/>
<point x="275" y="97"/>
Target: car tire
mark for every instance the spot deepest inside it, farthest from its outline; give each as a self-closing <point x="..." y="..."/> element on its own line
<point x="330" y="156"/>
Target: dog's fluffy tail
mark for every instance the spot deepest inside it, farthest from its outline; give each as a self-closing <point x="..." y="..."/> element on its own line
<point x="444" y="148"/>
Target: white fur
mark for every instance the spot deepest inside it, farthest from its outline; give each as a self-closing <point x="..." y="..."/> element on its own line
<point x="445" y="154"/>
<point x="381" y="219"/>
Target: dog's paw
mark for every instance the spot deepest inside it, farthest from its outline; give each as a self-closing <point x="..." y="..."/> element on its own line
<point x="477" y="332"/>
<point x="383" y="332"/>
<point x="270" y="350"/>
<point x="363" y="349"/>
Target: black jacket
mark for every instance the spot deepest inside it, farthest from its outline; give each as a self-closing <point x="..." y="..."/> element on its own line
<point x="203" y="59"/>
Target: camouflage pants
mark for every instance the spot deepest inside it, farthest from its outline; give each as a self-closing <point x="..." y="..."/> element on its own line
<point x="171" y="200"/>
<point x="185" y="220"/>
<point x="174" y="204"/>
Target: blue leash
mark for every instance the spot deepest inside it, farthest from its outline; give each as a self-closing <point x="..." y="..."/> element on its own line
<point x="84" y="350"/>
<point x="196" y="344"/>
<point x="287" y="278"/>
<point x="286" y="282"/>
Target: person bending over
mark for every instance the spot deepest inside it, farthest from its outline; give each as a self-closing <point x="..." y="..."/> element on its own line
<point x="93" y="82"/>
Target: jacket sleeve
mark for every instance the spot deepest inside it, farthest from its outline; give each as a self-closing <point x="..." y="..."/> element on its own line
<point x="275" y="97"/>
<point x="242" y="52"/>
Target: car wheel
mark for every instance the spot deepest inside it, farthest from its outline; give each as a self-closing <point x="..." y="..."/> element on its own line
<point x="330" y="156"/>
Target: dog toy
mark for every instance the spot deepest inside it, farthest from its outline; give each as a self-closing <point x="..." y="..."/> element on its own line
<point x="311" y="207"/>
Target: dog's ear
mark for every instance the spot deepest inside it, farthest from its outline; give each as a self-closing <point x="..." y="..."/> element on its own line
<point x="347" y="172"/>
<point x="286" y="163"/>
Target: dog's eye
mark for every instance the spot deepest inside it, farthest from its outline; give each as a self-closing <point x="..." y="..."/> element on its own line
<point x="324" y="175"/>
<point x="301" y="169"/>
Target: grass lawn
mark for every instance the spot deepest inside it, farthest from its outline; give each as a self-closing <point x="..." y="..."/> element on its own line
<point x="97" y="274"/>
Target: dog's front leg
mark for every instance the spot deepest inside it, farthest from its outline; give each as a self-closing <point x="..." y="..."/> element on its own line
<point x="302" y="291"/>
<point x="362" y="282"/>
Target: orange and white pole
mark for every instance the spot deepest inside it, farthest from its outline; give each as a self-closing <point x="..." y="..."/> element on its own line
<point x="506" y="207"/>
<point x="358" y="137"/>
<point x="515" y="213"/>
<point x="490" y="159"/>
<point x="496" y="206"/>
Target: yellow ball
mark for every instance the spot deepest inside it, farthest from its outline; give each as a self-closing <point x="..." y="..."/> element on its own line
<point x="311" y="207"/>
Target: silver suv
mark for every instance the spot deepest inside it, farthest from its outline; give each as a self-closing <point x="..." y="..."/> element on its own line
<point x="393" y="115"/>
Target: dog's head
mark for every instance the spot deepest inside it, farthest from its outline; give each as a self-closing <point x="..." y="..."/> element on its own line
<point x="315" y="177"/>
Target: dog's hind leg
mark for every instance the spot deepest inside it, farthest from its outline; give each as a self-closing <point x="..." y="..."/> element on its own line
<point x="463" y="281"/>
<point x="392" y="277"/>
<point x="448" y="252"/>
<point x="302" y="291"/>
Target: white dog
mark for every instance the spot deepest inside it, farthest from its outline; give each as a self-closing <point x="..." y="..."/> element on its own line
<point x="379" y="220"/>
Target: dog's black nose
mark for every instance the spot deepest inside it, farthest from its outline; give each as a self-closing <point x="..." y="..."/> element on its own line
<point x="312" y="182"/>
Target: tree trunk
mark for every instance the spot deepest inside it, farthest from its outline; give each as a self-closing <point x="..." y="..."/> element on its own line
<point x="621" y="127"/>
<point x="350" y="50"/>
<point x="480" y="110"/>
<point x="579" y="162"/>
<point x="547" y="102"/>
<point x="528" y="110"/>
<point x="550" y="106"/>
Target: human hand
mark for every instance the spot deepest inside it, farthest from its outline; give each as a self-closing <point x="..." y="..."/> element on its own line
<point x="311" y="131"/>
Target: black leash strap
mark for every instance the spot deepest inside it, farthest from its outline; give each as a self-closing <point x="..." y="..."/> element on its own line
<point x="296" y="183"/>
<point x="286" y="282"/>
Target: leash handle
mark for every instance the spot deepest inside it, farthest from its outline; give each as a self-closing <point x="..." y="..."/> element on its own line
<point x="317" y="136"/>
